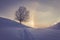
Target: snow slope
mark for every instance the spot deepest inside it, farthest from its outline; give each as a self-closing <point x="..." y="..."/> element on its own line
<point x="56" y="26"/>
<point x="11" y="30"/>
<point x="4" y="22"/>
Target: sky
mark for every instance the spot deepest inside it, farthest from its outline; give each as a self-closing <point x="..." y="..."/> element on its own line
<point x="43" y="13"/>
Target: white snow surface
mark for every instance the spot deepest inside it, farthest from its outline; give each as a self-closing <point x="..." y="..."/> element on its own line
<point x="11" y="30"/>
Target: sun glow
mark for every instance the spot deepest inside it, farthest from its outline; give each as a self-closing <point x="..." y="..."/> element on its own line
<point x="30" y="23"/>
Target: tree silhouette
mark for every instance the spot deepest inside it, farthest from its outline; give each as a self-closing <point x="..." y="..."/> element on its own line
<point x="22" y="14"/>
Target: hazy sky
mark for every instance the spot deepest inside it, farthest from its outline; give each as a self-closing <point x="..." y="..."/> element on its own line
<point x="44" y="12"/>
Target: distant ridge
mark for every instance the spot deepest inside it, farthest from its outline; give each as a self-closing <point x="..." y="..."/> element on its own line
<point x="56" y="26"/>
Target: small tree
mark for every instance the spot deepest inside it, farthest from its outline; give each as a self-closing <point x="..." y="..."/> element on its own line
<point x="22" y="14"/>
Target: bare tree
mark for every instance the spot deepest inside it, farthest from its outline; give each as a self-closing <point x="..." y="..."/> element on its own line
<point x="22" y="14"/>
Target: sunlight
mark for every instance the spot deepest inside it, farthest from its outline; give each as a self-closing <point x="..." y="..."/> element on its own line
<point x="30" y="23"/>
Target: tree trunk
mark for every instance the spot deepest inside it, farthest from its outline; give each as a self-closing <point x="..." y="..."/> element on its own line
<point x="20" y="22"/>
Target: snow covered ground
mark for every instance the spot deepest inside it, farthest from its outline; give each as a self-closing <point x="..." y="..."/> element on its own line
<point x="11" y="30"/>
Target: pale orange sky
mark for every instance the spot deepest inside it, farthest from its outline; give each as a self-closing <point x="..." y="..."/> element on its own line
<point x="42" y="12"/>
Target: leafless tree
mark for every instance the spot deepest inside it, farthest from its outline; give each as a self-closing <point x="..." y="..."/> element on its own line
<point x="22" y="14"/>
